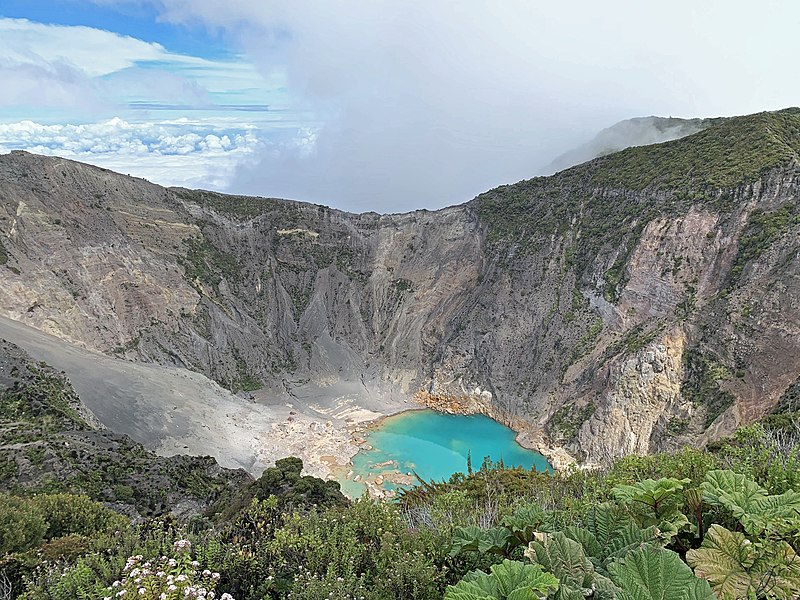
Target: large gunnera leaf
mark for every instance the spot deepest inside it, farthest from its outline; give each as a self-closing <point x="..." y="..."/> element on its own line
<point x="565" y="558"/>
<point x="491" y="541"/>
<point x="610" y="535"/>
<point x="656" y="503"/>
<point x="651" y="573"/>
<point x="750" y="504"/>
<point x="738" y="568"/>
<point x="510" y="580"/>
<point x="527" y="520"/>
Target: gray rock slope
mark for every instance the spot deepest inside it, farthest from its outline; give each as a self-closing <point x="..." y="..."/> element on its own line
<point x="643" y="300"/>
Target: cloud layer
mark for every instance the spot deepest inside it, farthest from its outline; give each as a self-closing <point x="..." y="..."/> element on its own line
<point x="135" y="107"/>
<point x="183" y="153"/>
<point x="391" y="106"/>
<point x="428" y="103"/>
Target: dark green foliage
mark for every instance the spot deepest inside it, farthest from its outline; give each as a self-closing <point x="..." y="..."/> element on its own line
<point x="206" y="263"/>
<point x="402" y="285"/>
<point x="244" y="380"/>
<point x="286" y="487"/>
<point x="67" y="514"/>
<point x="47" y="446"/>
<point x="723" y="156"/>
<point x="39" y="396"/>
<point x="22" y="525"/>
<point x="701" y="386"/>
<point x="567" y="420"/>
<point x="285" y="482"/>
<point x="591" y="535"/>
<point x="243" y="207"/>
<point x="761" y="231"/>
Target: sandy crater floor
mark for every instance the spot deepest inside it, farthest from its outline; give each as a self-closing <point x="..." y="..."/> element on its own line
<point x="175" y="411"/>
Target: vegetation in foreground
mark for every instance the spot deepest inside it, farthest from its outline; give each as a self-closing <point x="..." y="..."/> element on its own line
<point x="700" y="524"/>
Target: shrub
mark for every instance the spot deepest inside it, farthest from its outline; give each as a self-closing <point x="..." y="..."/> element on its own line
<point x="167" y="578"/>
<point x="22" y="525"/>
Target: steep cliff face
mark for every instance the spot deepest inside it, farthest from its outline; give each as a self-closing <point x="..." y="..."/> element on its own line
<point x="642" y="300"/>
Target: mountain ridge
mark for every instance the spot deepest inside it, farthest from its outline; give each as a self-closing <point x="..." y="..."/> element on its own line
<point x="637" y="302"/>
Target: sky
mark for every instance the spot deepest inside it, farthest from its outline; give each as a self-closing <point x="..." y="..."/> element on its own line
<point x="373" y="104"/>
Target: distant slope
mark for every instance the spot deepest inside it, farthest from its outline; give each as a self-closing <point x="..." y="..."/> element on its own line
<point x="166" y="409"/>
<point x="641" y="131"/>
<point x="643" y="300"/>
<point x="50" y="442"/>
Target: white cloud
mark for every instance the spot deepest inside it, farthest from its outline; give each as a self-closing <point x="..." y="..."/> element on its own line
<point x="93" y="51"/>
<point x="388" y="105"/>
<point x="199" y="154"/>
<point x="427" y="103"/>
<point x="86" y="70"/>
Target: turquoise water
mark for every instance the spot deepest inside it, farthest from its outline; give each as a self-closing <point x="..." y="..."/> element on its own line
<point x="435" y="445"/>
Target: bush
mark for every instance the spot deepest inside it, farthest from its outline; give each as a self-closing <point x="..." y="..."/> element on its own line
<point x="167" y="578"/>
<point x="66" y="514"/>
<point x="22" y="525"/>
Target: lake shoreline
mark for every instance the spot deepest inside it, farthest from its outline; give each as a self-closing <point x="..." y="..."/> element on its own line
<point x="445" y="448"/>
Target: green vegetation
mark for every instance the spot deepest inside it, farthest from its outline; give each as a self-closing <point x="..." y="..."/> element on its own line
<point x="567" y="420"/>
<point x="3" y="254"/>
<point x="207" y="264"/>
<point x="615" y="278"/>
<point x="762" y="229"/>
<point x="701" y="386"/>
<point x="729" y="153"/>
<point x="599" y="211"/>
<point x="244" y="381"/>
<point x="40" y="397"/>
<point x="402" y="285"/>
<point x="243" y="207"/>
<point x="711" y="525"/>
<point x="587" y="341"/>
<point x="46" y="446"/>
<point x="636" y="338"/>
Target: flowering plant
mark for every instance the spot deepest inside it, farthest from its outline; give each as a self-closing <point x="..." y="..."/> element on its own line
<point x="166" y="578"/>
